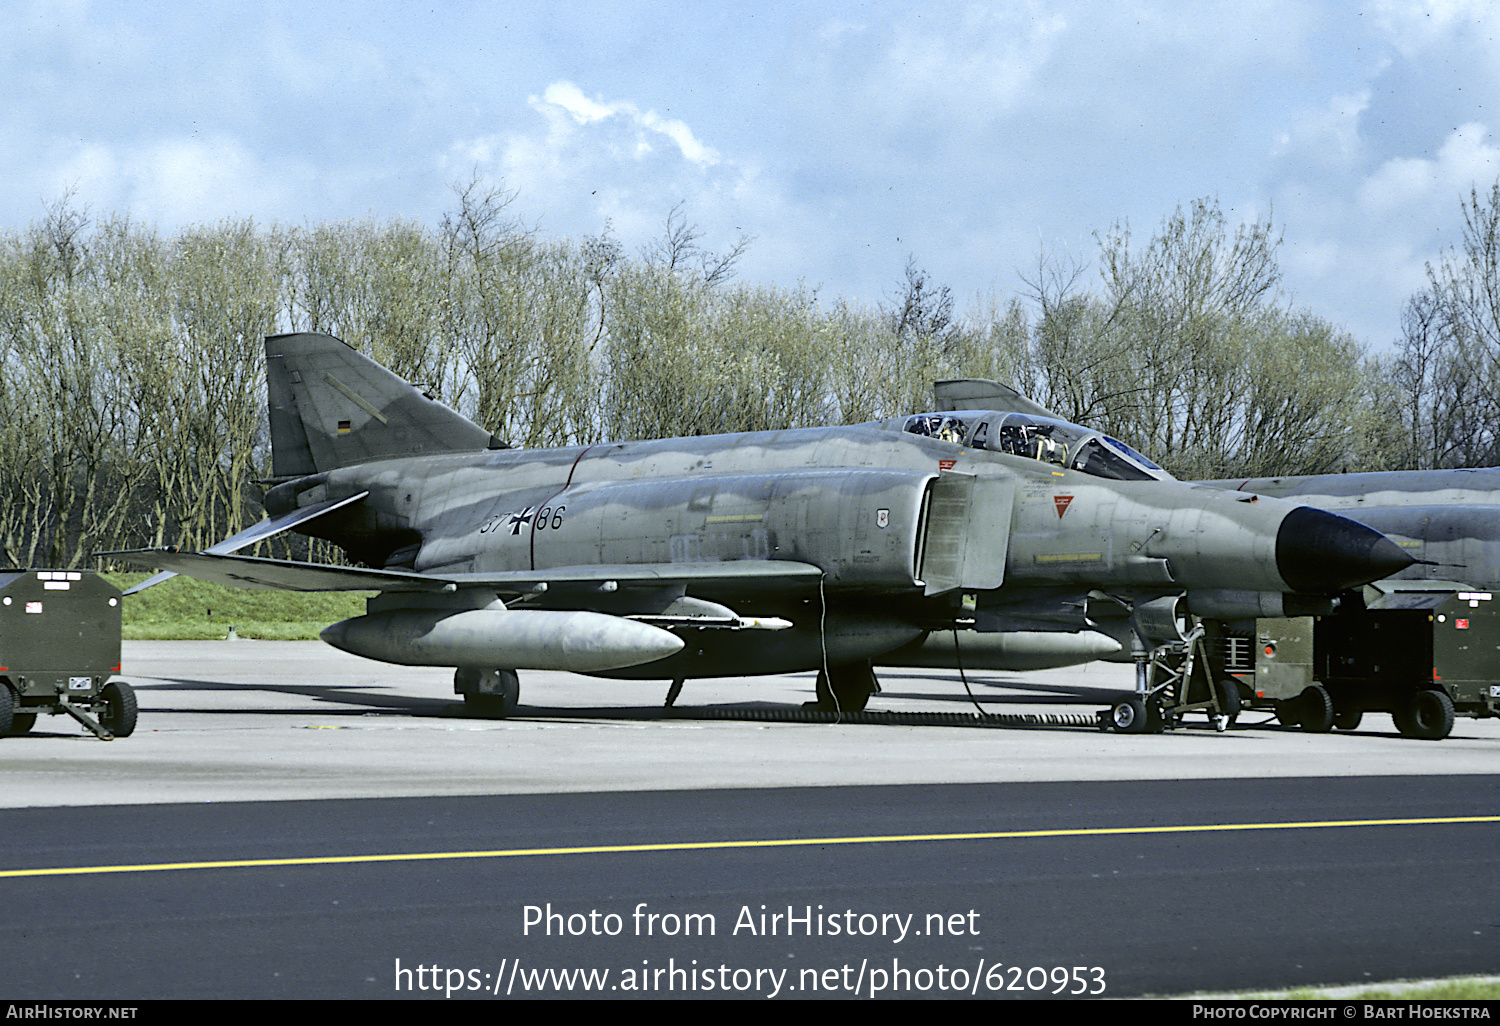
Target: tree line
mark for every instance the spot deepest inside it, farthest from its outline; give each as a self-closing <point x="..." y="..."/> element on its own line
<point x="132" y="399"/>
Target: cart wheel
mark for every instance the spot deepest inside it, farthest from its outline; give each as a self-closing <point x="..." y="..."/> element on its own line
<point x="1129" y="716"/>
<point x="1428" y="715"/>
<point x="1347" y="719"/>
<point x="7" y="709"/>
<point x="1316" y="706"/>
<point x="118" y="716"/>
<point x="20" y="723"/>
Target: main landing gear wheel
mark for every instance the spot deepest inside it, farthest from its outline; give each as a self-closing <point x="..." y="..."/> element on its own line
<point x="488" y="694"/>
<point x="845" y="688"/>
<point x="118" y="711"/>
<point x="1427" y="714"/>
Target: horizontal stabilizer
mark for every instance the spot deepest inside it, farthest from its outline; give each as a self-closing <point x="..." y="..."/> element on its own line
<point x="268" y="528"/>
<point x="285" y="574"/>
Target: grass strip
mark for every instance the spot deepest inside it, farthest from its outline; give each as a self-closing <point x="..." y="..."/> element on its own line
<point x="184" y="609"/>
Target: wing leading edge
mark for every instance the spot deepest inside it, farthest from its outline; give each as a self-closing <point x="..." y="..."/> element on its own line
<point x="291" y="575"/>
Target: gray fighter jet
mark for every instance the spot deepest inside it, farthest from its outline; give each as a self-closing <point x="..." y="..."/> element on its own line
<point x="1424" y="645"/>
<point x="998" y="539"/>
<point x="1416" y="645"/>
<point x="1448" y="519"/>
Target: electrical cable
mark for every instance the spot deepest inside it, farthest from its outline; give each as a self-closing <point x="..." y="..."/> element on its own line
<point x="959" y="662"/>
<point x="823" y="644"/>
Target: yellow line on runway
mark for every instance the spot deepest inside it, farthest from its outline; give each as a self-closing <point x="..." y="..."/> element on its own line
<point x="791" y="842"/>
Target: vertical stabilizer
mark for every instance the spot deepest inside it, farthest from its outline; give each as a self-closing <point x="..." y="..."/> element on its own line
<point x="333" y="407"/>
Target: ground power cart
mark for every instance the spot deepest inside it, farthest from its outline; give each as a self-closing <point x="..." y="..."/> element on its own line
<point x="1419" y="651"/>
<point x="59" y="646"/>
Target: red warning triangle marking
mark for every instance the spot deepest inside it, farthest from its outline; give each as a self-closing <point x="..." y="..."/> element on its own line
<point x="1061" y="501"/>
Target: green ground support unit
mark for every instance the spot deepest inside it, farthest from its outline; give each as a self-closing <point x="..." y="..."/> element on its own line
<point x="59" y="647"/>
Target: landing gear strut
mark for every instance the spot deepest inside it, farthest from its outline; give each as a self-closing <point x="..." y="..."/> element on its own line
<point x="1170" y="680"/>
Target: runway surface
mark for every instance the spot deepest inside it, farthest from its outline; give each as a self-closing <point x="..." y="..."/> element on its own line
<point x="1329" y="864"/>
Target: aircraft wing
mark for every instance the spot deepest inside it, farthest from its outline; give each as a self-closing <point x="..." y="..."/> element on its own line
<point x="291" y="575"/>
<point x="285" y="574"/>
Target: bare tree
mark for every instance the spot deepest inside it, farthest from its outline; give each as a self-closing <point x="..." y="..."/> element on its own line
<point x="1457" y="338"/>
<point x="923" y="311"/>
<point x="678" y="251"/>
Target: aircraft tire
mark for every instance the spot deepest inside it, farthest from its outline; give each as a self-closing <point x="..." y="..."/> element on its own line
<point x="845" y="688"/>
<point x="1428" y="715"/>
<point x="1317" y="709"/>
<point x="20" y="723"/>
<point x="119" y="708"/>
<point x="1347" y="719"/>
<point x="1228" y="693"/>
<point x="487" y="707"/>
<point x="488" y="694"/>
<point x="1128" y="716"/>
<point x="1288" y="712"/>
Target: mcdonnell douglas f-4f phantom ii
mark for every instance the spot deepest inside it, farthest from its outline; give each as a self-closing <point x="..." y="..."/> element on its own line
<point x="1421" y="646"/>
<point x="962" y="538"/>
<point x="1416" y="645"/>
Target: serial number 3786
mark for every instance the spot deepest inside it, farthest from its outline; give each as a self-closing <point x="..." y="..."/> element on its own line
<point x="546" y="518"/>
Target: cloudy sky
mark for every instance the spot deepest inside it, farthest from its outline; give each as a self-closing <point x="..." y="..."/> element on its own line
<point x="843" y="137"/>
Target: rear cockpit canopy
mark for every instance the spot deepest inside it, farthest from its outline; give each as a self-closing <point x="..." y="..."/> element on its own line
<point x="1038" y="438"/>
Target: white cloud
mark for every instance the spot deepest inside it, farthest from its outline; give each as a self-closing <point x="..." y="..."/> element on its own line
<point x="1328" y="135"/>
<point x="1466" y="159"/>
<point x="176" y="180"/>
<point x="1414" y="27"/>
<point x="585" y="160"/>
<point x="571" y="99"/>
<point x="568" y="97"/>
<point x="983" y="58"/>
<point x="835" y="30"/>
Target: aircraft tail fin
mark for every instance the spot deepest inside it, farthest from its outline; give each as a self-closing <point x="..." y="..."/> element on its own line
<point x="332" y="407"/>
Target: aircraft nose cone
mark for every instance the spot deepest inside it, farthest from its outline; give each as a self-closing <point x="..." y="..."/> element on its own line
<point x="1317" y="551"/>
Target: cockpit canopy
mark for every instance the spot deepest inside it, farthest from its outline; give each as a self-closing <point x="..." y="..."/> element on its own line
<point x="1039" y="438"/>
